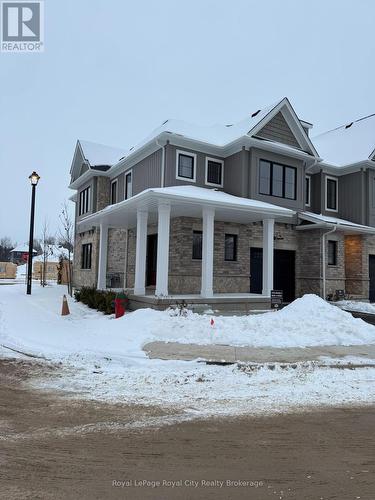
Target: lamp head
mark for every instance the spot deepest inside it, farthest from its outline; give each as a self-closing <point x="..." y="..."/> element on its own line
<point x="34" y="178"/>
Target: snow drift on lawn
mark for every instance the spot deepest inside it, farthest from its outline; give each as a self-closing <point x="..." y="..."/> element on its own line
<point x="34" y="323"/>
<point x="351" y="305"/>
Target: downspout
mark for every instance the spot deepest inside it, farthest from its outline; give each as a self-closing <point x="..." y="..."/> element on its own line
<point x="324" y="259"/>
<point x="162" y="162"/>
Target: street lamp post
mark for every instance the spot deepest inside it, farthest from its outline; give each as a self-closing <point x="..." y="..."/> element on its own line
<point x="34" y="178"/>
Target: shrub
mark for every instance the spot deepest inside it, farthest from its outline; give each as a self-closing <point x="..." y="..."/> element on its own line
<point x="100" y="300"/>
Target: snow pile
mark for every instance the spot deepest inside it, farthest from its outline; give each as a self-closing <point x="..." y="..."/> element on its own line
<point x="352" y="305"/>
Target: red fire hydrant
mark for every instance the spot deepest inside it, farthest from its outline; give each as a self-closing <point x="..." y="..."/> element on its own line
<point x="120" y="304"/>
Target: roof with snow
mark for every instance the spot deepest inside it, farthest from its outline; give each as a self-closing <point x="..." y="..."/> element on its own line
<point x="53" y="253"/>
<point x="348" y="144"/>
<point x="99" y="155"/>
<point x="24" y="248"/>
<point x="334" y="221"/>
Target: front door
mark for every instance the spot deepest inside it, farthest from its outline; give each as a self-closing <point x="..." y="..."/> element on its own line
<point x="372" y="277"/>
<point x="152" y="245"/>
<point x="283" y="272"/>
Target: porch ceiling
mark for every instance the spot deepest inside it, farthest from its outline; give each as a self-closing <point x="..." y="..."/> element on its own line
<point x="185" y="201"/>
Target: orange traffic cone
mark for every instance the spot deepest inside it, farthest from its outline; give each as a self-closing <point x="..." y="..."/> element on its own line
<point x="65" y="307"/>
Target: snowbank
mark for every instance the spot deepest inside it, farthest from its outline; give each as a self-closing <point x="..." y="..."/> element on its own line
<point x="352" y="305"/>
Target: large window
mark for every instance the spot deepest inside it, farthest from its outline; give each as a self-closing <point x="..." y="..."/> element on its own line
<point x="114" y="192"/>
<point x="278" y="180"/>
<point x="214" y="172"/>
<point x="128" y="185"/>
<point x="197" y="245"/>
<point x="332" y="253"/>
<point x="84" y="201"/>
<point x="86" y="256"/>
<point x="230" y="247"/>
<point x="185" y="167"/>
<point x="331" y="193"/>
<point x="308" y="190"/>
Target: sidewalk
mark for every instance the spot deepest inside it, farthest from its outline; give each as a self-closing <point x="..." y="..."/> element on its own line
<point x="226" y="353"/>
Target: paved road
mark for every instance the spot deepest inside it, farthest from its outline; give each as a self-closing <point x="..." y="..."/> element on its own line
<point x="174" y="350"/>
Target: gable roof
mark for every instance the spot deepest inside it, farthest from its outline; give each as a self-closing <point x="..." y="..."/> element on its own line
<point x="348" y="144"/>
<point x="99" y="155"/>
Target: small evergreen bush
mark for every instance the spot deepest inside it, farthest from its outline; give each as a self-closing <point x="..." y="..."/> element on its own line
<point x="100" y="300"/>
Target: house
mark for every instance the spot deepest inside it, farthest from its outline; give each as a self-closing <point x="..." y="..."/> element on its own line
<point x="50" y="263"/>
<point x="20" y="254"/>
<point x="8" y="270"/>
<point x="222" y="215"/>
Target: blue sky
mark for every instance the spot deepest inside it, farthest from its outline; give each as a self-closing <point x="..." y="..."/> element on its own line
<point x="114" y="70"/>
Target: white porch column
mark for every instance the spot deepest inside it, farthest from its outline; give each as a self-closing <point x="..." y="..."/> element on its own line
<point x="268" y="232"/>
<point x="102" y="261"/>
<point x="140" y="253"/>
<point x="162" y="263"/>
<point x="208" y="252"/>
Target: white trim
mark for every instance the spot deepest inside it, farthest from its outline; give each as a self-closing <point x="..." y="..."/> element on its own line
<point x="326" y="193"/>
<point x="208" y="158"/>
<point x="127" y="172"/>
<point x="192" y="155"/>
<point x="309" y="203"/>
<point x="114" y="182"/>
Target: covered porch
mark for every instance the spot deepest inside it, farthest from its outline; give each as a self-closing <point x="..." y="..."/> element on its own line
<point x="157" y="207"/>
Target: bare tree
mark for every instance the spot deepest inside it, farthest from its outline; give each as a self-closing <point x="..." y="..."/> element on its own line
<point x="66" y="240"/>
<point x="6" y="246"/>
<point x="46" y="243"/>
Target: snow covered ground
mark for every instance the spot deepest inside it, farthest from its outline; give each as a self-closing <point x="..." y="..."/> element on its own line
<point x="103" y="358"/>
<point x="352" y="305"/>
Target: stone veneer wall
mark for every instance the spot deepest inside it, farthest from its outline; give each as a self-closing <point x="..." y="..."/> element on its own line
<point x="85" y="277"/>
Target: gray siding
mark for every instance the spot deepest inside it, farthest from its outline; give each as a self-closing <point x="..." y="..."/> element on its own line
<point x="147" y="173"/>
<point x="278" y="130"/>
<point x="255" y="156"/>
<point x="170" y="167"/>
<point x="236" y="175"/>
<point x="316" y="193"/>
<point x="351" y="198"/>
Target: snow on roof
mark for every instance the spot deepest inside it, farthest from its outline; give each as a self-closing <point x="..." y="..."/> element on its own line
<point x="100" y="155"/>
<point x="350" y="143"/>
<point x="22" y="248"/>
<point x="332" y="220"/>
<point x="54" y="253"/>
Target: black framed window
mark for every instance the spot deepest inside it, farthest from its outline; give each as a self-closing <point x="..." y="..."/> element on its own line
<point x="186" y="166"/>
<point x="84" y="201"/>
<point x="332" y="253"/>
<point x="128" y="185"/>
<point x="86" y="256"/>
<point x="230" y="247"/>
<point x="214" y="172"/>
<point x="114" y="192"/>
<point x="307" y="190"/>
<point x="197" y="245"/>
<point x="331" y="195"/>
<point x="277" y="180"/>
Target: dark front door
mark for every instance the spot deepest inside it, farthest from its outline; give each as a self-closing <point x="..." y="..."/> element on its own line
<point x="152" y="243"/>
<point x="372" y="277"/>
<point x="283" y="272"/>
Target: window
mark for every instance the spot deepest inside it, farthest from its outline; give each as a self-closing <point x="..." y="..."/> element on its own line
<point x="214" y="172"/>
<point x="230" y="247"/>
<point x="331" y="193"/>
<point x="185" y="166"/>
<point x="197" y="245"/>
<point x="86" y="256"/>
<point x="84" y="201"/>
<point x="277" y="180"/>
<point x="128" y="185"/>
<point x="307" y="190"/>
<point x="114" y="192"/>
<point x="332" y="253"/>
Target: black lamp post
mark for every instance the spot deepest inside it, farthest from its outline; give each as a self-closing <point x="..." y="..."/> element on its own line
<point x="34" y="178"/>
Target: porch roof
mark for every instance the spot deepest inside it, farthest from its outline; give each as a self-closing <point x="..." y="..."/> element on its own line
<point x="319" y="221"/>
<point x="187" y="201"/>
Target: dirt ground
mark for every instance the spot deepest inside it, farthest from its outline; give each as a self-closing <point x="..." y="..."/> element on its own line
<point x="56" y="447"/>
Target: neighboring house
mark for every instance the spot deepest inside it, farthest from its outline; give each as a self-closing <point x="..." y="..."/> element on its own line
<point x="20" y="254"/>
<point x="53" y="255"/>
<point x="222" y="215"/>
<point x="8" y="270"/>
